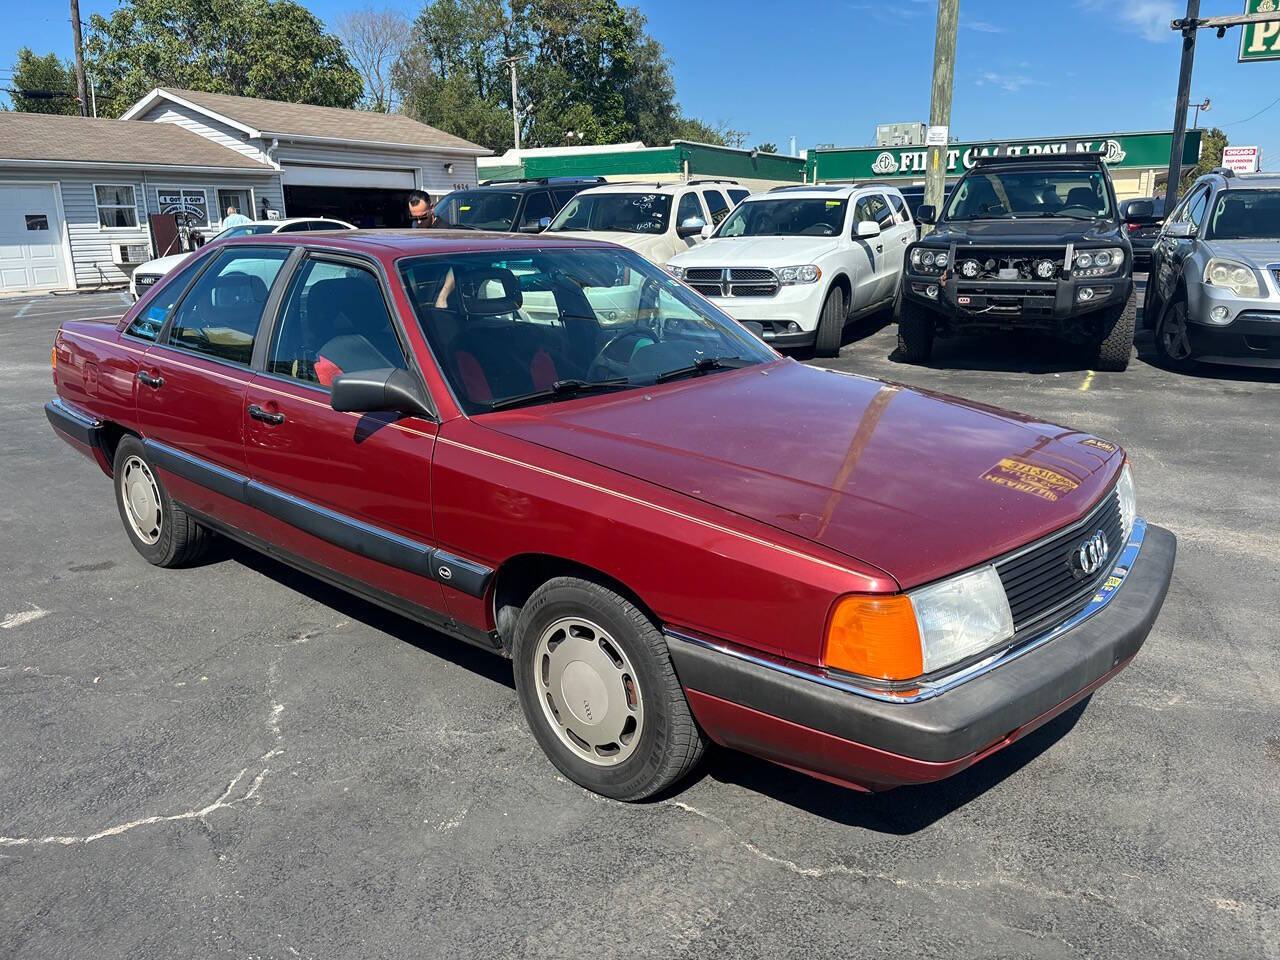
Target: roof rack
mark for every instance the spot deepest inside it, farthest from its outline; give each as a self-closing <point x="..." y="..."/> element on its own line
<point x="692" y="183"/>
<point x="544" y="181"/>
<point x="1223" y="172"/>
<point x="814" y="187"/>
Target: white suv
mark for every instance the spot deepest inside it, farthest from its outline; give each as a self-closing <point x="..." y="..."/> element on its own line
<point x="657" y="220"/>
<point x="804" y="261"/>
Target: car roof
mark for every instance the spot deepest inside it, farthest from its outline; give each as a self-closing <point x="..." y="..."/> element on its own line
<point x="822" y="191"/>
<point x="397" y="242"/>
<point x="1247" y="181"/>
<point x="525" y="185"/>
<point x="651" y="186"/>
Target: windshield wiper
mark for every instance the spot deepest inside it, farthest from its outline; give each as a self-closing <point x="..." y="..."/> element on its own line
<point x="701" y="365"/>
<point x="1070" y="216"/>
<point x="560" y="390"/>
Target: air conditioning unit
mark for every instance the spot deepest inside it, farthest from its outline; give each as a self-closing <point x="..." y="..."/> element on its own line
<point x="125" y="254"/>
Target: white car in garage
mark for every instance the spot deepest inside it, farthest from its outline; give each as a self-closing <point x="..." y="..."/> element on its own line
<point x="803" y="262"/>
<point x="146" y="275"/>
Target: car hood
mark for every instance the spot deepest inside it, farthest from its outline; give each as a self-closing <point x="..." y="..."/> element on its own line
<point x="641" y="243"/>
<point x="917" y="484"/>
<point x="755" y="251"/>
<point x="1046" y="231"/>
<point x="161" y="265"/>
<point x="1262" y="253"/>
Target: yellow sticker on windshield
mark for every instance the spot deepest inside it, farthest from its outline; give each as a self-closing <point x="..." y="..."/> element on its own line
<point x="464" y="208"/>
<point x="833" y="203"/>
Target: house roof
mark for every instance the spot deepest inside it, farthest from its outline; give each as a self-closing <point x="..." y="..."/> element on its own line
<point x="305" y="121"/>
<point x="87" y="140"/>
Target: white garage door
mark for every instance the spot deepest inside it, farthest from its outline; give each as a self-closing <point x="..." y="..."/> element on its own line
<point x="30" y="238"/>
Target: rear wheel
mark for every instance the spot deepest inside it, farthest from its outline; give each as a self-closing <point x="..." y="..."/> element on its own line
<point x="158" y="528"/>
<point x="831" y="324"/>
<point x="598" y="690"/>
<point x="1112" y="352"/>
<point x="1173" y="339"/>
<point x="915" y="332"/>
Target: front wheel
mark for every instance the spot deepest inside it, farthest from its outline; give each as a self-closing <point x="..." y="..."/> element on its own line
<point x="826" y="342"/>
<point x="915" y="332"/>
<point x="597" y="688"/>
<point x="1112" y="352"/>
<point x="1173" y="338"/>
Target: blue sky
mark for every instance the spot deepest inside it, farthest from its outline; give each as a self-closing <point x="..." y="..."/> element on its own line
<point x="827" y="72"/>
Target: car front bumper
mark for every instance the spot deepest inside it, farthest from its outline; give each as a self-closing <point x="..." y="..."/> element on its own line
<point x="1044" y="305"/>
<point x="789" y="317"/>
<point x="792" y="715"/>
<point x="1250" y="336"/>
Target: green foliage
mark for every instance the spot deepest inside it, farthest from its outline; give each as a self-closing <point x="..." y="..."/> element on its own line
<point x="584" y="67"/>
<point x="274" y="49"/>
<point x="767" y="147"/>
<point x="1212" y="143"/>
<point x="45" y="74"/>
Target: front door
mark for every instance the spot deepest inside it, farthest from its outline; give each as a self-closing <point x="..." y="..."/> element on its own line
<point x="349" y="492"/>
<point x="191" y="386"/>
<point x="885" y="250"/>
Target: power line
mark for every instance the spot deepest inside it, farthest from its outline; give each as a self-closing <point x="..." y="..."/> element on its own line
<point x="1232" y="123"/>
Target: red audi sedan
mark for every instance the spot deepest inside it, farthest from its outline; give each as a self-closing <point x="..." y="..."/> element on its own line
<point x="552" y="449"/>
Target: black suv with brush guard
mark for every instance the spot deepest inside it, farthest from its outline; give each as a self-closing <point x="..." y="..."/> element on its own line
<point x="1027" y="242"/>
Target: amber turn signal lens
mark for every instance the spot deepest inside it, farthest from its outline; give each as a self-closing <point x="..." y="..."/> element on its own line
<point x="875" y="637"/>
<point x="53" y="359"/>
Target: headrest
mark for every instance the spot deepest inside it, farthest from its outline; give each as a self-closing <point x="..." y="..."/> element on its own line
<point x="238" y="288"/>
<point x="490" y="292"/>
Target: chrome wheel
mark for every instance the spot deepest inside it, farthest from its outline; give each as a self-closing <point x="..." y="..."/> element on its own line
<point x="1174" y="339"/>
<point x="588" y="691"/>
<point x="141" y="496"/>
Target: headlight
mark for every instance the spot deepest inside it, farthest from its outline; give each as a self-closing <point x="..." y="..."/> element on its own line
<point x="677" y="272"/>
<point x="928" y="262"/>
<point x="1099" y="263"/>
<point x="903" y="636"/>
<point x="1128" y="501"/>
<point x="805" y="273"/>
<point x="940" y="260"/>
<point x="1237" y="277"/>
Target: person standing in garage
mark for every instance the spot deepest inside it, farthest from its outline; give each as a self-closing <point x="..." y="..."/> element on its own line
<point x="421" y="211"/>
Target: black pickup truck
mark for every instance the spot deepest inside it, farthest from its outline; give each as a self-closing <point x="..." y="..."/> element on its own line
<point x="1029" y="242"/>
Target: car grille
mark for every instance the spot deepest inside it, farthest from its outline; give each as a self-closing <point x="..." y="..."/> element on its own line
<point x="1275" y="272"/>
<point x="990" y="263"/>
<point x="1043" y="587"/>
<point x="732" y="281"/>
<point x="144" y="279"/>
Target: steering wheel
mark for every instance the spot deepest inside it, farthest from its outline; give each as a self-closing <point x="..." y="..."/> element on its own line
<point x="612" y="360"/>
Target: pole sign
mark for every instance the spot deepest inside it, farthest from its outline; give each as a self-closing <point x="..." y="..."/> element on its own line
<point x="1119" y="150"/>
<point x="1260" y="41"/>
<point x="1242" y="159"/>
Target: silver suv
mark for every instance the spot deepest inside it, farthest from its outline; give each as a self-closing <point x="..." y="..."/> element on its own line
<point x="1213" y="293"/>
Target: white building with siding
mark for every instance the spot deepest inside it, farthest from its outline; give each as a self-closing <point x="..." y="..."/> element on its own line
<point x="76" y="194"/>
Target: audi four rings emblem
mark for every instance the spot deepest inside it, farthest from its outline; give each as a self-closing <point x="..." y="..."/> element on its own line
<point x="1092" y="554"/>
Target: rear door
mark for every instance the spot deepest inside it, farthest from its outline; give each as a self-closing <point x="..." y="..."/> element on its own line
<point x="349" y="492"/>
<point x="191" y="385"/>
<point x="899" y="230"/>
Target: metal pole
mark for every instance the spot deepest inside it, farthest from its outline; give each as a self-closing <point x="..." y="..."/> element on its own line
<point x="93" y="96"/>
<point x="1180" y="109"/>
<point x="515" y="109"/>
<point x="79" y="43"/>
<point x="944" y="63"/>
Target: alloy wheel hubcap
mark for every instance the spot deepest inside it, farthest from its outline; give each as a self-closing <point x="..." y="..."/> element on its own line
<point x="588" y="691"/>
<point x="141" y="497"/>
<point x="1174" y="335"/>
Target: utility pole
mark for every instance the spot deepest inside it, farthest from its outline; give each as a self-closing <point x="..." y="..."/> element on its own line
<point x="515" y="106"/>
<point x="944" y="68"/>
<point x="1188" y="29"/>
<point x="93" y="96"/>
<point x="736" y="138"/>
<point x="75" y="29"/>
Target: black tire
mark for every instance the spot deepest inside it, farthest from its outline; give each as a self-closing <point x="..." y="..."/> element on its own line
<point x="669" y="742"/>
<point x="1176" y="355"/>
<point x="1112" y="352"/>
<point x="831" y="323"/>
<point x="179" y="539"/>
<point x="1149" y="305"/>
<point x="915" y="332"/>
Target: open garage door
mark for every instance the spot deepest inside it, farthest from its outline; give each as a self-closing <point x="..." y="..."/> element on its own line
<point x="364" y="206"/>
<point x="31" y="251"/>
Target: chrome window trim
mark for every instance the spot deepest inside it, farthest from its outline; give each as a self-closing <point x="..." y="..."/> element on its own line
<point x="928" y="689"/>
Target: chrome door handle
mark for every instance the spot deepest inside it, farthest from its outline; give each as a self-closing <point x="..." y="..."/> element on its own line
<point x="258" y="413"/>
<point x="155" y="383"/>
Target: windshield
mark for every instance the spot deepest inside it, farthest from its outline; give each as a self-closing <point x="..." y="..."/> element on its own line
<point x="619" y="212"/>
<point x="246" y="230"/>
<point x="798" y="217"/>
<point x="479" y="210"/>
<point x="1017" y="194"/>
<point x="536" y="325"/>
<point x="1245" y="215"/>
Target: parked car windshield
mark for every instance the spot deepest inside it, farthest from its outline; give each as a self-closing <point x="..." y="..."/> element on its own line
<point x="246" y="230"/>
<point x="1018" y="194"/>
<point x="785" y="217"/>
<point x="1245" y="215"/>
<point x="620" y="212"/>
<point x="534" y="326"/>
<point x="479" y="209"/>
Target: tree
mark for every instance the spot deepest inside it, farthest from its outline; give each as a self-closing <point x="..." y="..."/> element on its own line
<point x="1211" y="145"/>
<point x="274" y="49"/>
<point x="584" y="66"/>
<point x="375" y="40"/>
<point x="43" y="84"/>
<point x="766" y="147"/>
<point x="690" y="128"/>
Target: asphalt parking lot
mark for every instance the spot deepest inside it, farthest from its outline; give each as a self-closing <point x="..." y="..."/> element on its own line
<point x="235" y="760"/>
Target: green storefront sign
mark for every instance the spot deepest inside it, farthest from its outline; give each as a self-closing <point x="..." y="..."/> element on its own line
<point x="1119" y="150"/>
<point x="1260" y="41"/>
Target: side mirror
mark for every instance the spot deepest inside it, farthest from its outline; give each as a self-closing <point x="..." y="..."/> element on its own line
<point x="927" y="213"/>
<point x="690" y="226"/>
<point x="376" y="391"/>
<point x="534" y="226"/>
<point x="868" y="228"/>
<point x="543" y="223"/>
<point x="1180" y="230"/>
<point x="1140" y="210"/>
<point x="707" y="231"/>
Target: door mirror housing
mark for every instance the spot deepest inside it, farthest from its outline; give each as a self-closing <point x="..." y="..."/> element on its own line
<point x="1180" y="230"/>
<point x="1139" y="211"/>
<point x="377" y="391"/>
<point x="867" y="228"/>
<point x="536" y="226"/>
<point x="690" y="226"/>
<point x="927" y="213"/>
<point x="707" y="231"/>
